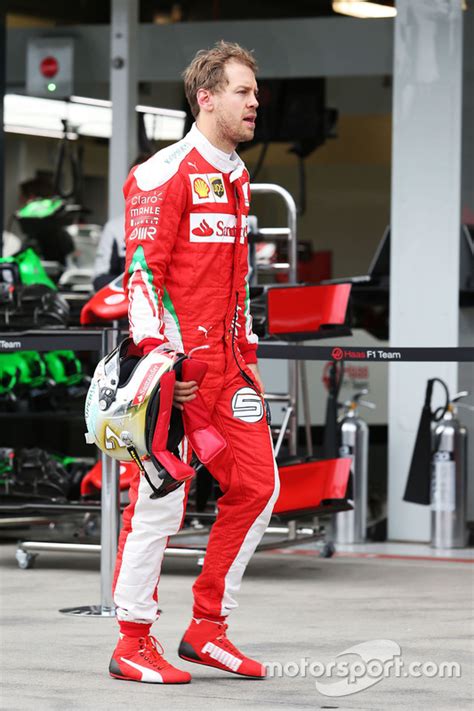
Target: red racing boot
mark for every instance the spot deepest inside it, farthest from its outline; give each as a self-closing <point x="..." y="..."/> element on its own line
<point x="206" y="642"/>
<point x="141" y="659"/>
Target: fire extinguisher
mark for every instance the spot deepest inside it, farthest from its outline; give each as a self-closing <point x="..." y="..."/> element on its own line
<point x="351" y="526"/>
<point x="449" y="478"/>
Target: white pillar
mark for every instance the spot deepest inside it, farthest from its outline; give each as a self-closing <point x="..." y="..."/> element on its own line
<point x="426" y="189"/>
<point x="123" y="94"/>
<point x="466" y="316"/>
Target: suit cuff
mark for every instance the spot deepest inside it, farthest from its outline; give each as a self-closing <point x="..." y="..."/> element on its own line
<point x="149" y="344"/>
<point x="250" y="355"/>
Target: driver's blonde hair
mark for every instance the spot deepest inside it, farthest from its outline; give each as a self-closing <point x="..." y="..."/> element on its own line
<point x="207" y="69"/>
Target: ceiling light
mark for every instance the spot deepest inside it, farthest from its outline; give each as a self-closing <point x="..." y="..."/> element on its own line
<point x="90" y="102"/>
<point x="363" y="9"/>
<point x="173" y="113"/>
<point x="35" y="131"/>
<point x="84" y="116"/>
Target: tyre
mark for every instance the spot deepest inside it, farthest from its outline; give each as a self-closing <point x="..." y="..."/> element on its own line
<point x="328" y="550"/>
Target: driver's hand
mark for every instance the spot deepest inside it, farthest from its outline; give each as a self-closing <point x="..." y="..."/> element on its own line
<point x="184" y="392"/>
<point x="253" y="367"/>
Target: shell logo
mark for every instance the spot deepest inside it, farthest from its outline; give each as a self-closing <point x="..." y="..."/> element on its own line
<point x="201" y="188"/>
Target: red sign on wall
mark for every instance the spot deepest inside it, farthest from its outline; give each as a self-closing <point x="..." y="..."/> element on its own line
<point x="49" y="67"/>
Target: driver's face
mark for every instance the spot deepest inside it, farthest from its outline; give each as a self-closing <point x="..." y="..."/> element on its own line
<point x="235" y="106"/>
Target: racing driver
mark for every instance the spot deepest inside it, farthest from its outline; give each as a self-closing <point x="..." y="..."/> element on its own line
<point x="186" y="276"/>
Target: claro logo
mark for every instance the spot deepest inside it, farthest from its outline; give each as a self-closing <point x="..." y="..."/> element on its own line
<point x="10" y="345"/>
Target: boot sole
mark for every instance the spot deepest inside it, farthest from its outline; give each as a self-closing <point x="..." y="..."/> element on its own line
<point x="159" y="683"/>
<point x="213" y="666"/>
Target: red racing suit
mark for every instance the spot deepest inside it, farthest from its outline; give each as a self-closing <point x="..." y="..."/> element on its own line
<point x="186" y="264"/>
<point x="187" y="281"/>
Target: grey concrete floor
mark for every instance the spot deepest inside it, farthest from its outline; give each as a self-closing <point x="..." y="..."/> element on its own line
<point x="291" y="607"/>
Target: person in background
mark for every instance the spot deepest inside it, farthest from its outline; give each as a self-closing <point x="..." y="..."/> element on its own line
<point x="110" y="256"/>
<point x="36" y="188"/>
<point x="31" y="189"/>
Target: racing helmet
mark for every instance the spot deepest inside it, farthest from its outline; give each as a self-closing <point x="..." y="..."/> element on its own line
<point x="130" y="415"/>
<point x="123" y="401"/>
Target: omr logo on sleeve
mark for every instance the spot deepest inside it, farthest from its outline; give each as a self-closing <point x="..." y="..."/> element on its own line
<point x="142" y="233"/>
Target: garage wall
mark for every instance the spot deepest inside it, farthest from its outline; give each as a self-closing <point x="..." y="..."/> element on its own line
<point x="348" y="191"/>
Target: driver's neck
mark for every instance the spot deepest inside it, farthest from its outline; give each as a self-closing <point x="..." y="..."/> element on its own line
<point x="213" y="135"/>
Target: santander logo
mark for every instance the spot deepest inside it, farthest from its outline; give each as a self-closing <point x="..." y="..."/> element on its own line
<point x="224" y="230"/>
<point x="215" y="227"/>
<point x="203" y="230"/>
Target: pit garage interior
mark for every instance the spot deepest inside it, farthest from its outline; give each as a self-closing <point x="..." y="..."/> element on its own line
<point x="361" y="282"/>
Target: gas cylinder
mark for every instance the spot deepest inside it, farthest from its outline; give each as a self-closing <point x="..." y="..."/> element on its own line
<point x="351" y="526"/>
<point x="449" y="479"/>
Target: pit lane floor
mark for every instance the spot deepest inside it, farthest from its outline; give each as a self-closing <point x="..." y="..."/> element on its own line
<point x="295" y="609"/>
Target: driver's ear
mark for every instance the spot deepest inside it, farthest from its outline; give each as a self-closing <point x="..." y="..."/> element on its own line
<point x="205" y="99"/>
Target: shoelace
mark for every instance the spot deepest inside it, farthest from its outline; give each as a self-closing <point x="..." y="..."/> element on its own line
<point x="152" y="652"/>
<point x="225" y="641"/>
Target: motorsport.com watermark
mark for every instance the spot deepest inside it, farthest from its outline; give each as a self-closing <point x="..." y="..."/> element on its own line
<point x="366" y="664"/>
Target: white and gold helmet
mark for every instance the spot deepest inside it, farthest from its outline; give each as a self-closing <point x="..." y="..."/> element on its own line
<point x="130" y="415"/>
<point x="121" y="403"/>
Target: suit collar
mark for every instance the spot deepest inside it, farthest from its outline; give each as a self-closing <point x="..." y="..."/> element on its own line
<point x="220" y="160"/>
